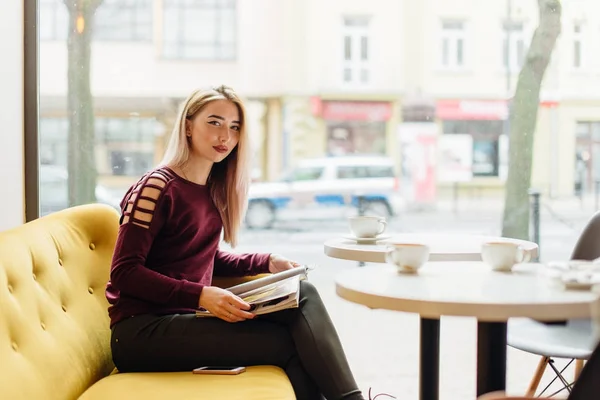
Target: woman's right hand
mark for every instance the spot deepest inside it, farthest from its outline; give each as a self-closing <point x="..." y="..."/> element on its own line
<point x="224" y="304"/>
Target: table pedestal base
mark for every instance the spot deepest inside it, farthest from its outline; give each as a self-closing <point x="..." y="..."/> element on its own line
<point x="429" y="376"/>
<point x="491" y="357"/>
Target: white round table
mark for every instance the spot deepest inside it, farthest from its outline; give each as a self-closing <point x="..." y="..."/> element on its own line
<point x="443" y="247"/>
<point x="469" y="289"/>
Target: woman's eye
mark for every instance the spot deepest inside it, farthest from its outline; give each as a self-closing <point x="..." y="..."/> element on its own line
<point x="236" y="128"/>
<point x="215" y="123"/>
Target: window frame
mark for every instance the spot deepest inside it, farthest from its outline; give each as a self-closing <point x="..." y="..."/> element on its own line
<point x="31" y="110"/>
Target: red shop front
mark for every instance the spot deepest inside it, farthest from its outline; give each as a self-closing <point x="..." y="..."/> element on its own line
<point x="354" y="127"/>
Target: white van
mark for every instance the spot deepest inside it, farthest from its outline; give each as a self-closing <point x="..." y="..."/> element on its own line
<point x="329" y="188"/>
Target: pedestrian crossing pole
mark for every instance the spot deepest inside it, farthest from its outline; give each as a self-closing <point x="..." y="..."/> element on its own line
<point x="535" y="219"/>
<point x="361" y="212"/>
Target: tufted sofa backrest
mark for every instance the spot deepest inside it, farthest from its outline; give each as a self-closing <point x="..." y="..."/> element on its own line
<point x="54" y="326"/>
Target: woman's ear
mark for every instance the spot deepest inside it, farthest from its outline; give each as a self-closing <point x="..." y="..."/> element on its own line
<point x="188" y="127"/>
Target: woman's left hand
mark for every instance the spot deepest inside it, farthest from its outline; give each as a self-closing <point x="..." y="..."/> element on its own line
<point x="279" y="263"/>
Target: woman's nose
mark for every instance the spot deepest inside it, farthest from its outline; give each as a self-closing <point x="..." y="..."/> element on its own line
<point x="224" y="136"/>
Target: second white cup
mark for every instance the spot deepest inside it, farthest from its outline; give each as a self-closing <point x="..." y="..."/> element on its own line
<point x="502" y="256"/>
<point x="407" y="257"/>
<point x="367" y="226"/>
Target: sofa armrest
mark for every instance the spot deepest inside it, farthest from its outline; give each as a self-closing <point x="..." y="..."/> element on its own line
<point x="228" y="281"/>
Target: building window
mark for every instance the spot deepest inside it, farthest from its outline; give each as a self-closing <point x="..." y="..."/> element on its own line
<point x="356" y="50"/>
<point x="577" y="46"/>
<point x="126" y="20"/>
<point x="513" y="48"/>
<point x="199" y="29"/>
<point x="587" y="156"/>
<point x="453" y="44"/>
<point x="53" y="20"/>
<point x="485" y="134"/>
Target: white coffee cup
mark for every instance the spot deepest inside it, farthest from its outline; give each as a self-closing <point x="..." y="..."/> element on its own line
<point x="407" y="257"/>
<point x="367" y="226"/>
<point x="502" y="256"/>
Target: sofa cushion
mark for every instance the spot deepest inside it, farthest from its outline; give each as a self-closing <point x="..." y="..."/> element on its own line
<point x="54" y="327"/>
<point x="257" y="383"/>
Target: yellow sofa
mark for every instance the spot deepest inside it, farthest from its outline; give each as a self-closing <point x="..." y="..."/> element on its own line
<point x="54" y="327"/>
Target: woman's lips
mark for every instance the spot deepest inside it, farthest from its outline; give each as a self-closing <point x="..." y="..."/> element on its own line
<point x="221" y="149"/>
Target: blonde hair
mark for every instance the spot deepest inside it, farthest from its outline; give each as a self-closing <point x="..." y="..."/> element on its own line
<point x="228" y="180"/>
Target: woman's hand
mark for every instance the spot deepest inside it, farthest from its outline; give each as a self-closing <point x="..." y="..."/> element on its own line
<point x="224" y="304"/>
<point x="278" y="263"/>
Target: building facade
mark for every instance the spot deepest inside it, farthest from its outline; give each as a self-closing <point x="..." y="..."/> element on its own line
<point x="327" y="78"/>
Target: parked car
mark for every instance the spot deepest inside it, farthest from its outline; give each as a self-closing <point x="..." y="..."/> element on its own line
<point x="332" y="187"/>
<point x="54" y="194"/>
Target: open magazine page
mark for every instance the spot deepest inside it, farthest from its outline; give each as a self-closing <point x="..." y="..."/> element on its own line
<point x="267" y="280"/>
<point x="273" y="293"/>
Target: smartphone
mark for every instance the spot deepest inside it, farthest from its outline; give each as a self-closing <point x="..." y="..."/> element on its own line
<point x="212" y="370"/>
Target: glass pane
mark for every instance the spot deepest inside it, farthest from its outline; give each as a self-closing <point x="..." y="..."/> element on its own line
<point x="459" y="52"/>
<point x="577" y="53"/>
<point x="364" y="51"/>
<point x="204" y="30"/>
<point x="582" y="130"/>
<point x="595" y="128"/>
<point x="352" y="109"/>
<point x="520" y="52"/>
<point x="364" y="75"/>
<point x="347" y="74"/>
<point x="452" y="25"/>
<point x="445" y="51"/>
<point x="307" y="174"/>
<point x="347" y="48"/>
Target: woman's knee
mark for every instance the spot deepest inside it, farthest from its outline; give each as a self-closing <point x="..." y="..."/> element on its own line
<point x="309" y="294"/>
<point x="308" y="289"/>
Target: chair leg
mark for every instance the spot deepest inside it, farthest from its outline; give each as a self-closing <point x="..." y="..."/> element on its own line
<point x="539" y="372"/>
<point x="578" y="368"/>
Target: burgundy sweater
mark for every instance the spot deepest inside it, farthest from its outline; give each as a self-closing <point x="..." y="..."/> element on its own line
<point x="167" y="248"/>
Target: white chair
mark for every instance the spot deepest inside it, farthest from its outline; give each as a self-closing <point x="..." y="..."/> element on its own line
<point x="572" y="340"/>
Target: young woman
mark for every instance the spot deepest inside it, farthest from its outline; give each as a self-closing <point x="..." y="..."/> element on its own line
<point x="167" y="252"/>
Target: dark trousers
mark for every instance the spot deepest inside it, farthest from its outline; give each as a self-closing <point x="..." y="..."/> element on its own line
<point x="587" y="386"/>
<point x="302" y="341"/>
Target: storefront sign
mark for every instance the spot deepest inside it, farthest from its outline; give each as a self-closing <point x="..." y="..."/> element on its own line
<point x="355" y="110"/>
<point x="472" y="109"/>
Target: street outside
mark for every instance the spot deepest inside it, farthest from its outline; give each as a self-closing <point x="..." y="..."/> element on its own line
<point x="383" y="346"/>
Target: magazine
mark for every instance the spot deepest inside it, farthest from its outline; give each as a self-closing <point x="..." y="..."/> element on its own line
<point x="269" y="294"/>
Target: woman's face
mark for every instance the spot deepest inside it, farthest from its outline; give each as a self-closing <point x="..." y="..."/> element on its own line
<point x="214" y="131"/>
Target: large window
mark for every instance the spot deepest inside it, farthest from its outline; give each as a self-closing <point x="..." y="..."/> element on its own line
<point x="199" y="29"/>
<point x="587" y="156"/>
<point x="514" y="47"/>
<point x="124" y="20"/>
<point x="416" y="91"/>
<point x="452" y="54"/>
<point x="356" y="50"/>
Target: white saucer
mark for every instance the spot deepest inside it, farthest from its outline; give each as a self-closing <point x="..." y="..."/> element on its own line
<point x="366" y="240"/>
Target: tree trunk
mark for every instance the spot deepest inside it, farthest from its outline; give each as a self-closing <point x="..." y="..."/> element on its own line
<point x="523" y="118"/>
<point x="80" y="160"/>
